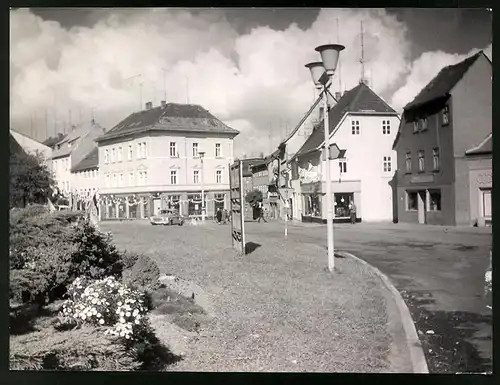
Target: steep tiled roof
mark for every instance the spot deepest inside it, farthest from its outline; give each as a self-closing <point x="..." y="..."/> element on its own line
<point x="485" y="147"/>
<point x="51" y="141"/>
<point x="78" y="132"/>
<point x="90" y="161"/>
<point x="443" y="82"/>
<point x="172" y="117"/>
<point x="359" y="99"/>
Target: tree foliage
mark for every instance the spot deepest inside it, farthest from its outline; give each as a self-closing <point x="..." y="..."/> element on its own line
<point x="30" y="179"/>
<point x="254" y="196"/>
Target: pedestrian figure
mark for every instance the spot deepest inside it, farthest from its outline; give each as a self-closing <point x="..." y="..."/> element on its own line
<point x="219" y="216"/>
<point x="225" y="216"/>
<point x="352" y="211"/>
<point x="261" y="213"/>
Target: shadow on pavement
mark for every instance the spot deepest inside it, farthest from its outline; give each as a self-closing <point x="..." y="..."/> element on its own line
<point x="447" y="337"/>
<point x="250" y="247"/>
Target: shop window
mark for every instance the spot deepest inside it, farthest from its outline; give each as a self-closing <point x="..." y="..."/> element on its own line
<point x="194" y="205"/>
<point x="411" y="201"/>
<point x="341" y="203"/>
<point x="434" y="200"/>
<point x="174" y="202"/>
<point x="219" y="201"/>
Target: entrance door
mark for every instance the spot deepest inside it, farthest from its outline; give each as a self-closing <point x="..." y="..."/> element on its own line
<point x="421" y="206"/>
<point x="486" y="205"/>
<point x="156" y="206"/>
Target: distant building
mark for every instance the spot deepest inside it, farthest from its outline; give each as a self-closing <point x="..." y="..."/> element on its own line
<point x="32" y="146"/>
<point x="86" y="178"/>
<point x="71" y="150"/>
<point x="152" y="160"/>
<point x="444" y="148"/>
<point x="260" y="180"/>
<point x="248" y="184"/>
<point x="364" y="127"/>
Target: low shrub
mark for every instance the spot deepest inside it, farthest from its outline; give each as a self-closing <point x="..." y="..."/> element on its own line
<point x="49" y="251"/>
<point x="143" y="274"/>
<point x="85" y="348"/>
<point x="106" y="302"/>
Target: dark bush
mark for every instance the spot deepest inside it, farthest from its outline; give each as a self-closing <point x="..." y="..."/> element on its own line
<point x="144" y="273"/>
<point x="49" y="251"/>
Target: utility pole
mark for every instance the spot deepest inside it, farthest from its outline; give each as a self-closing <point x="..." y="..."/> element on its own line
<point x="362" y="60"/>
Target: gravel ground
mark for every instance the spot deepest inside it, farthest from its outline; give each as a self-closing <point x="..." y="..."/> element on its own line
<point x="275" y="309"/>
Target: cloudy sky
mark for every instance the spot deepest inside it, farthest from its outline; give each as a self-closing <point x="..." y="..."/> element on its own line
<point x="244" y="65"/>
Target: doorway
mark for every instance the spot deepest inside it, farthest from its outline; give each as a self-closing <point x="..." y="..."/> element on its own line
<point x="156" y="206"/>
<point x="422" y="209"/>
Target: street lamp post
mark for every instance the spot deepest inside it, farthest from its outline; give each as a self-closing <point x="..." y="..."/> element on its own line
<point x="202" y="154"/>
<point x="322" y="73"/>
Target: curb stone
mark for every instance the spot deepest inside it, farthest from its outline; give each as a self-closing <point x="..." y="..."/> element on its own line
<point x="417" y="355"/>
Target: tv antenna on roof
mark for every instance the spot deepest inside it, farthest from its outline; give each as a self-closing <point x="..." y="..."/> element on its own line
<point x="362" y="60"/>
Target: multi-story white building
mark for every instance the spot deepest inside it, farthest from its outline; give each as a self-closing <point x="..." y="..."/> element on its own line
<point x="364" y="127"/>
<point x="85" y="178"/>
<point x="70" y="151"/>
<point x="159" y="158"/>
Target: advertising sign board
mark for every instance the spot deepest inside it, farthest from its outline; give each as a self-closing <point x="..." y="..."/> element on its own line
<point x="237" y="206"/>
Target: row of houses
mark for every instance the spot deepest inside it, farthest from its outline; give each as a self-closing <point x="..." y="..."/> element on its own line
<point x="156" y="158"/>
<point x="432" y="165"/>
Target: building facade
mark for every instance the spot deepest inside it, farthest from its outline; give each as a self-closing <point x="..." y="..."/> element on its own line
<point x="86" y="180"/>
<point x="363" y="126"/>
<point x="260" y="182"/>
<point x="447" y="118"/>
<point x="161" y="158"/>
<point x="248" y="184"/>
<point x="70" y="151"/>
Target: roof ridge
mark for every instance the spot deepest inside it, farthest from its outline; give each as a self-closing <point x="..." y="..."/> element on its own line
<point x="482" y="143"/>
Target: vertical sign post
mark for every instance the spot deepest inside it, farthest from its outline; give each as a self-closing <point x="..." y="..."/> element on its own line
<point x="237" y="199"/>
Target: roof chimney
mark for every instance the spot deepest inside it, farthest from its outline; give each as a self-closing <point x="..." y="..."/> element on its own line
<point x="163" y="104"/>
<point x="338" y="95"/>
<point x="149" y="105"/>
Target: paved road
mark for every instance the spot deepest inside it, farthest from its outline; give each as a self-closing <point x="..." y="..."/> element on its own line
<point x="438" y="270"/>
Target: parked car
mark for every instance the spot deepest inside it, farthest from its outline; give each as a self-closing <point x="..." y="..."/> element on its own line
<point x="167" y="217"/>
<point x="488" y="286"/>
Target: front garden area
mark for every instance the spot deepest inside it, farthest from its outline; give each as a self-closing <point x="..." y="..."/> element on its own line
<point x="78" y="303"/>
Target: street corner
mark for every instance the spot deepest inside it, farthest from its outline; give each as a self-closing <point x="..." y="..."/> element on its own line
<point x="405" y="347"/>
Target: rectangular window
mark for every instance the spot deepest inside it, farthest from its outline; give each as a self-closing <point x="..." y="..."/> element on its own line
<point x="130" y="178"/>
<point x="218" y="176"/>
<point x="355" y="127"/>
<point x="115" y="180"/>
<point x="139" y="150"/>
<point x="120" y="180"/>
<point x="173" y="176"/>
<point x="415" y="126"/>
<point x="120" y="154"/>
<point x="408" y="162"/>
<point x="424" y="124"/>
<point x="217" y="150"/>
<point x="143" y="150"/>
<point x="113" y="155"/>
<point x="106" y="156"/>
<point x="421" y="161"/>
<point x="386" y="127"/>
<point x="435" y="159"/>
<point x="145" y="177"/>
<point x="434" y="200"/>
<point x="446" y="115"/>
<point x="195" y="150"/>
<point x="411" y="201"/>
<point x="343" y="166"/>
<point x="173" y="150"/>
<point x="107" y="180"/>
<point x="387" y="164"/>
<point x="196" y="176"/>
<point x="129" y="153"/>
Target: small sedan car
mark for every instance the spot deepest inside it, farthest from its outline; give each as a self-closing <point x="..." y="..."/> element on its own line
<point x="167" y="217"/>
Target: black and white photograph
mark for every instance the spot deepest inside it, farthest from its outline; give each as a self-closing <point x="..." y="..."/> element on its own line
<point x="177" y="203"/>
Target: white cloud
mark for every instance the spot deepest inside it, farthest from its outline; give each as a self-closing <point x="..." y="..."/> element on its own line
<point x="423" y="70"/>
<point x="252" y="81"/>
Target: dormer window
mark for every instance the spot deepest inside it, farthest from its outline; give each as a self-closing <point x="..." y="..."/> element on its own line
<point x="446" y="115"/>
<point x="424" y="124"/>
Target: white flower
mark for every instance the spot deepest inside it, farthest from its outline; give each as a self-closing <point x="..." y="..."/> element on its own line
<point x="84" y="316"/>
<point x="120" y="303"/>
<point x="122" y="334"/>
<point x="135" y="312"/>
<point x="122" y="320"/>
<point x="94" y="301"/>
<point x="127" y="314"/>
<point x="101" y="321"/>
<point x="127" y="336"/>
<point x="76" y="315"/>
<point x="487" y="276"/>
<point x="137" y="322"/>
<point x="99" y="315"/>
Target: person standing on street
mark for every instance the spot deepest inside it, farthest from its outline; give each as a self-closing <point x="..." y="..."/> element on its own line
<point x="261" y="213"/>
<point x="352" y="211"/>
<point x="219" y="216"/>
